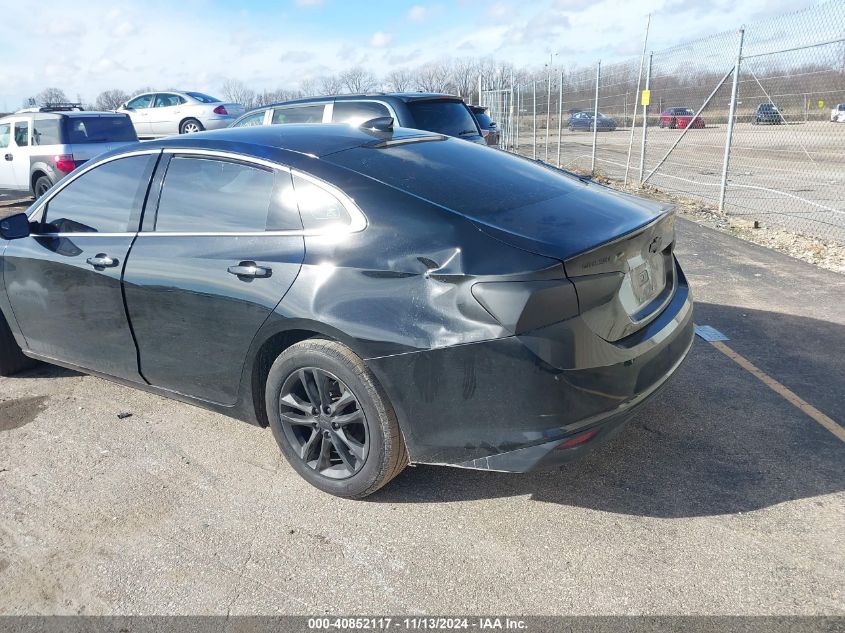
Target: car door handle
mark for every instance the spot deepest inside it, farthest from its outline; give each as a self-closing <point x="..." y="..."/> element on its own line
<point x="101" y="260"/>
<point x="250" y="269"/>
<point x="9" y="157"/>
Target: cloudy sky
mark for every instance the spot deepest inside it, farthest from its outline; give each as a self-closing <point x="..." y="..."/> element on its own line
<point x="87" y="46"/>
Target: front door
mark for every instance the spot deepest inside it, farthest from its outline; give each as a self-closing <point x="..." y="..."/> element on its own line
<point x="206" y="272"/>
<point x="7" y="168"/>
<point x="138" y="110"/>
<point x="64" y="281"/>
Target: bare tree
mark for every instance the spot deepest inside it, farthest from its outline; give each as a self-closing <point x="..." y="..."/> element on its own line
<point x="433" y="77"/>
<point x="400" y="80"/>
<point x="330" y="84"/>
<point x="237" y="91"/>
<point x="111" y="99"/>
<point x="50" y="95"/>
<point x="307" y="87"/>
<point x="357" y="79"/>
<point x="464" y="77"/>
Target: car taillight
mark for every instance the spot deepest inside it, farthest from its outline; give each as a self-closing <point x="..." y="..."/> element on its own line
<point x="65" y="163"/>
<point x="220" y="110"/>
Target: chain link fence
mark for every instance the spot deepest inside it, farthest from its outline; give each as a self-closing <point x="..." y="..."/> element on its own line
<point x="752" y="120"/>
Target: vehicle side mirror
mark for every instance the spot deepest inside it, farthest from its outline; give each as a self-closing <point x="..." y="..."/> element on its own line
<point x="14" y="227"/>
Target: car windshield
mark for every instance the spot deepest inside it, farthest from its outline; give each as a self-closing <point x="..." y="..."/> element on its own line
<point x="452" y="118"/>
<point x="202" y="97"/>
<point x="99" y="129"/>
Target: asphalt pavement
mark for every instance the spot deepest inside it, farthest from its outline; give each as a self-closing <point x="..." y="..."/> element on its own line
<point x="720" y="497"/>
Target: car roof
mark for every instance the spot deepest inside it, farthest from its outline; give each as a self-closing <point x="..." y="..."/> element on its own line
<point x="382" y="96"/>
<point x="69" y="113"/>
<point x="313" y="139"/>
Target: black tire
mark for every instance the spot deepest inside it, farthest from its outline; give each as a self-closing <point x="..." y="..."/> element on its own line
<point x="301" y="431"/>
<point x="41" y="186"/>
<point x="12" y="359"/>
<point x="190" y="126"/>
<point x="673" y="124"/>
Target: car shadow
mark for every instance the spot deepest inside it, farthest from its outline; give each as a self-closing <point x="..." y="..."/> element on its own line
<point x="715" y="441"/>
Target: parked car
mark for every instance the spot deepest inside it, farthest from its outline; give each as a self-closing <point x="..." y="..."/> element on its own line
<point x="489" y="130"/>
<point x="443" y="114"/>
<point x="40" y="145"/>
<point x="584" y="121"/>
<point x="164" y="113"/>
<point x="680" y="118"/>
<point x="767" y="113"/>
<point x="374" y="296"/>
<point x="837" y="115"/>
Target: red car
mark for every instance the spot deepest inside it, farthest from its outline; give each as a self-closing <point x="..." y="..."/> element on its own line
<point x="680" y="118"/>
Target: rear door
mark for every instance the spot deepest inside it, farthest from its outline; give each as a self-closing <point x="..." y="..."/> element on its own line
<point x="219" y="249"/>
<point x="63" y="282"/>
<point x="21" y="152"/>
<point x="165" y="114"/>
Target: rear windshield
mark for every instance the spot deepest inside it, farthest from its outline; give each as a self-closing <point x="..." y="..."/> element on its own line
<point x="99" y="129"/>
<point x="484" y="120"/>
<point x="452" y="118"/>
<point x="466" y="177"/>
<point x="202" y="97"/>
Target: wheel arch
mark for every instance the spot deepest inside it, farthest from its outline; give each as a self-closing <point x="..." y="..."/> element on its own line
<point x="188" y="118"/>
<point x="37" y="171"/>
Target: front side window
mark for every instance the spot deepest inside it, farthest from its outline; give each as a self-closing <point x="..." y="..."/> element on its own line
<point x="251" y="121"/>
<point x="5" y="134"/>
<point x="103" y="200"/>
<point x="202" y="195"/>
<point x="22" y="133"/>
<point x="357" y="112"/>
<point x="167" y="100"/>
<point x="144" y="101"/>
<point x="299" y="114"/>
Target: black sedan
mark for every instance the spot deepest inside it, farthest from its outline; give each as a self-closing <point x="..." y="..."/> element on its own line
<point x="368" y="293"/>
<point x="587" y="121"/>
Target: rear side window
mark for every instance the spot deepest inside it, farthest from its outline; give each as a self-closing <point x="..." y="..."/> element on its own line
<point x="444" y="117"/>
<point x="356" y="112"/>
<point x="95" y="129"/>
<point x="46" y="132"/>
<point x="203" y="195"/>
<point x="167" y="100"/>
<point x="103" y="200"/>
<point x="319" y="208"/>
<point x="299" y="114"/>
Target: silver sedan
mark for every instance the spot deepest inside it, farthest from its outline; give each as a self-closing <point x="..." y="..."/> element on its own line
<point x="174" y="112"/>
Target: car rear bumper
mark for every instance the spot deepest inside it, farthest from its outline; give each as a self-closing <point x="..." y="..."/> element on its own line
<point x="509" y="404"/>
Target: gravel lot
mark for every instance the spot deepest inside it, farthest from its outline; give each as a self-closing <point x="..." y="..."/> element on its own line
<point x="719" y="498"/>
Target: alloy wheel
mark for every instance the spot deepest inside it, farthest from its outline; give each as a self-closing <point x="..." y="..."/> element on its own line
<point x="324" y="423"/>
<point x="190" y="128"/>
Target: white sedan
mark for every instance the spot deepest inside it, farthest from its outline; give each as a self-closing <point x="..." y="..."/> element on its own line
<point x="837" y="115"/>
<point x="165" y="113"/>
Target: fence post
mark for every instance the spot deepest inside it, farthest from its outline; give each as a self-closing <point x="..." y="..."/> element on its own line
<point x="548" y="110"/>
<point x="534" y="123"/>
<point x="518" y="107"/>
<point x="731" y="117"/>
<point x="636" y="101"/>
<point x="480" y="98"/>
<point x="559" y="117"/>
<point x="509" y="142"/>
<point x="645" y="117"/>
<point x="595" y="119"/>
